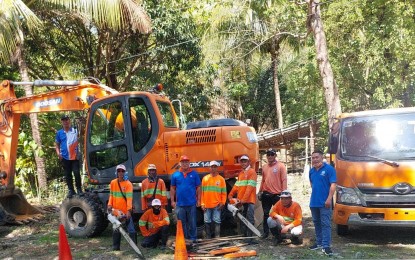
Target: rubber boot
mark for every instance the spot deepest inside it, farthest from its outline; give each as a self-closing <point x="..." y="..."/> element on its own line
<point x="208" y="230"/>
<point x="116" y="240"/>
<point x="133" y="237"/>
<point x="277" y="234"/>
<point x="217" y="230"/>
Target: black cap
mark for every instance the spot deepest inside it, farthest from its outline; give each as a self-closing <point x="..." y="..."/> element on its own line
<point x="64" y="117"/>
<point x="271" y="151"/>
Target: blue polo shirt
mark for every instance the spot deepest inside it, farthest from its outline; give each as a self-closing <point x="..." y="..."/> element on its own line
<point x="321" y="180"/>
<point x="185" y="188"/>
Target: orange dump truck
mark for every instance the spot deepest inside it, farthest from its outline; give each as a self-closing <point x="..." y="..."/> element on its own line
<point x="374" y="156"/>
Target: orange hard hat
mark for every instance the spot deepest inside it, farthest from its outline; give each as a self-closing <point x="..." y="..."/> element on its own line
<point x="184" y="158"/>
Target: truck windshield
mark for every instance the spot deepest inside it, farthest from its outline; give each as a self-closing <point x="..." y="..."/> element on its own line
<point x="390" y="137"/>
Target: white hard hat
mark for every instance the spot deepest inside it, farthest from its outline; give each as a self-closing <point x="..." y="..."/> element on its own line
<point x="212" y="163"/>
<point x="156" y="202"/>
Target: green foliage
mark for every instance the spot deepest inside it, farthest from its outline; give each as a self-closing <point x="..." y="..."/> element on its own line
<point x="373" y="53"/>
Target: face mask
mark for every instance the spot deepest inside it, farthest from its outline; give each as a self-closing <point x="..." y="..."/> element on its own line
<point x="156" y="211"/>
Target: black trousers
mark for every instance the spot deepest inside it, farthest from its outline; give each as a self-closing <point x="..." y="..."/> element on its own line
<point x="268" y="201"/>
<point x="70" y="166"/>
<point x="153" y="240"/>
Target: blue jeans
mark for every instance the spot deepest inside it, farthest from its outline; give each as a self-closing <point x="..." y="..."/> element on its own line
<point x="249" y="213"/>
<point x="322" y="224"/>
<point x="212" y="214"/>
<point x="187" y="214"/>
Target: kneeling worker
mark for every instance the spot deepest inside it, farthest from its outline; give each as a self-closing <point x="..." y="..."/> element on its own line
<point x="154" y="225"/>
<point x="285" y="219"/>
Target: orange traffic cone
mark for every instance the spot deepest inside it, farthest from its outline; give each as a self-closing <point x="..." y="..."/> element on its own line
<point x="64" y="250"/>
<point x="180" y="252"/>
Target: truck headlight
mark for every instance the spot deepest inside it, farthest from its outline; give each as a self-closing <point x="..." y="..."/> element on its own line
<point x="347" y="196"/>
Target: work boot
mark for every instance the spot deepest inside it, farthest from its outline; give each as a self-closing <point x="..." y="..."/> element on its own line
<point x="133" y="237"/>
<point x="208" y="230"/>
<point x="116" y="240"/>
<point x="217" y="230"/>
<point x="277" y="234"/>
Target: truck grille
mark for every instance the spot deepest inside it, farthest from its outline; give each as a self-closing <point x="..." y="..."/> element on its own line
<point x="388" y="200"/>
<point x="201" y="136"/>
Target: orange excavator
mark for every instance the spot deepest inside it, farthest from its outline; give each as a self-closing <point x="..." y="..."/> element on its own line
<point x="130" y="128"/>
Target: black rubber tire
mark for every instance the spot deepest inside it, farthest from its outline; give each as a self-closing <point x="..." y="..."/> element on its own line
<point x="81" y="216"/>
<point x="342" y="230"/>
<point x="104" y="223"/>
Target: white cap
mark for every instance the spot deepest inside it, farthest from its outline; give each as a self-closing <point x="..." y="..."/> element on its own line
<point x="244" y="157"/>
<point x="212" y="163"/>
<point x="156" y="202"/>
<point x="121" y="166"/>
<point x="151" y="167"/>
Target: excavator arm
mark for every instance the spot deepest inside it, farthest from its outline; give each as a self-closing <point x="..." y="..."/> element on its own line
<point x="70" y="96"/>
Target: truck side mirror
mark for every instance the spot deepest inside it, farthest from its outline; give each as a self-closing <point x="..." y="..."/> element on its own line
<point x="333" y="144"/>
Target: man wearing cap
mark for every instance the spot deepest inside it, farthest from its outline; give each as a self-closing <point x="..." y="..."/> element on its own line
<point x="213" y="199"/>
<point x="120" y="204"/>
<point x="151" y="188"/>
<point x="185" y="196"/>
<point x="66" y="147"/>
<point x="154" y="225"/>
<point x="285" y="219"/>
<point x="274" y="181"/>
<point x="245" y="189"/>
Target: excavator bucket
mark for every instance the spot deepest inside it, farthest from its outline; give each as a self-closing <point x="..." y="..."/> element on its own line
<point x="14" y="208"/>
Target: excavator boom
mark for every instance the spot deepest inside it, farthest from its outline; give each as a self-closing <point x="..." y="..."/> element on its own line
<point x="71" y="96"/>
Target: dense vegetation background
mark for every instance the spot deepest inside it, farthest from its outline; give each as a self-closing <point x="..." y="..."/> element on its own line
<point x="245" y="59"/>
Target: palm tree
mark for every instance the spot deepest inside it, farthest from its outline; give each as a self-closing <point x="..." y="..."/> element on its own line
<point x="14" y="14"/>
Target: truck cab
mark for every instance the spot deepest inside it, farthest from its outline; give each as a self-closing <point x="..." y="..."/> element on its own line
<point x="374" y="156"/>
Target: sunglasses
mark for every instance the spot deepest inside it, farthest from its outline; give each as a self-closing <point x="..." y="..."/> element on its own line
<point x="270" y="154"/>
<point x="120" y="171"/>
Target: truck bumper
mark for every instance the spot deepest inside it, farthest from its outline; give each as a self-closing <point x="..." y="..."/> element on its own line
<point x="361" y="216"/>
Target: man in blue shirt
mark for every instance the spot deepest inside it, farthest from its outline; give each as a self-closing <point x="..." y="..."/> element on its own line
<point x="66" y="146"/>
<point x="323" y="185"/>
<point x="185" y="196"/>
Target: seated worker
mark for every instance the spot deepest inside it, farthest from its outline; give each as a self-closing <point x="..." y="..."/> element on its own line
<point x="153" y="188"/>
<point x="285" y="219"/>
<point x="154" y="225"/>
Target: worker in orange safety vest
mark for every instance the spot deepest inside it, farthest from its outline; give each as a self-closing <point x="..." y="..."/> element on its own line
<point x="154" y="226"/>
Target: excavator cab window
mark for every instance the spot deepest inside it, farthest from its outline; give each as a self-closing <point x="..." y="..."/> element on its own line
<point x="140" y="123"/>
<point x="167" y="114"/>
<point x="107" y="124"/>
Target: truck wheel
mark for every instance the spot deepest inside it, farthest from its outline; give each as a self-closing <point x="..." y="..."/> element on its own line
<point x="94" y="197"/>
<point x="342" y="230"/>
<point x="81" y="216"/>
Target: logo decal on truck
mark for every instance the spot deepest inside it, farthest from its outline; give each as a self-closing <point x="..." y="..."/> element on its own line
<point x="402" y="188"/>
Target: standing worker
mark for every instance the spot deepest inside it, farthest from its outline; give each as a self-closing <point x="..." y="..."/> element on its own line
<point x="120" y="204"/>
<point x="323" y="185"/>
<point x="274" y="181"/>
<point x="66" y="147"/>
<point x="245" y="189"/>
<point x="153" y="188"/>
<point x="213" y="199"/>
<point x="185" y="197"/>
<point x="154" y="225"/>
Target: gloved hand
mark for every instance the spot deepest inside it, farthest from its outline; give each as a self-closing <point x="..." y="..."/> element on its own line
<point x="260" y="196"/>
<point x="109" y="209"/>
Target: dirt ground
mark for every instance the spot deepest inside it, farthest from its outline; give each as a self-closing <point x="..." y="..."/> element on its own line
<point x="40" y="240"/>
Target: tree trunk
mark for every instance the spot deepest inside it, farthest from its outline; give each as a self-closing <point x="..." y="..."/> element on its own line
<point x="274" y="61"/>
<point x="40" y="163"/>
<point x="331" y="93"/>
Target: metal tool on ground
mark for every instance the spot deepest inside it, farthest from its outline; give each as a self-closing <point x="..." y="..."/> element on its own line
<point x="116" y="224"/>
<point x="235" y="211"/>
